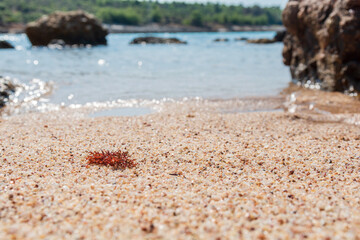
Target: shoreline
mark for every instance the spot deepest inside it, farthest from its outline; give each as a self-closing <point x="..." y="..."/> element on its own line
<point x="294" y="99"/>
<point x="156" y="28"/>
<point x="230" y="105"/>
<point x="201" y="174"/>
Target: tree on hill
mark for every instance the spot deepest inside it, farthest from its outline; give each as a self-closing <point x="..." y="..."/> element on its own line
<point x="133" y="12"/>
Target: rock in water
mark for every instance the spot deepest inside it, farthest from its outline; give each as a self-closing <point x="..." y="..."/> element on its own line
<point x="280" y="36"/>
<point x="56" y="44"/>
<point x="5" y="45"/>
<point x="323" y="43"/>
<point x="221" y="40"/>
<point x="156" y="40"/>
<point x="6" y="89"/>
<point x="74" y="28"/>
<point x="261" y="41"/>
<point x="241" y="39"/>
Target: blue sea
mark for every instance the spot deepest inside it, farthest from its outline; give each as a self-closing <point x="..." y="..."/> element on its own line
<point x="125" y="74"/>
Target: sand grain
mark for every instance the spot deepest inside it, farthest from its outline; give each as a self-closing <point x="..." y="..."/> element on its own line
<point x="201" y="175"/>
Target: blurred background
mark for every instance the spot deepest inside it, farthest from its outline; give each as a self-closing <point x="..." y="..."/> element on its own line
<point x="218" y="61"/>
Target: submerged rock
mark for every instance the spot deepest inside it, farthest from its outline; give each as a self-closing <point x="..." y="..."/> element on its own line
<point x="261" y="41"/>
<point x="7" y="87"/>
<point x="73" y="28"/>
<point x="279" y="37"/>
<point x="156" y="40"/>
<point x="323" y="43"/>
<point x="241" y="39"/>
<point x="5" y="45"/>
<point x="57" y="44"/>
<point x="221" y="40"/>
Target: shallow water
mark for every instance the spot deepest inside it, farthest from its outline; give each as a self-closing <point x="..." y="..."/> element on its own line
<point x="123" y="75"/>
<point x="130" y="111"/>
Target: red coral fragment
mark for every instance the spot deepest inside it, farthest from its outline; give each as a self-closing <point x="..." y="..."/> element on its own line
<point x="116" y="159"/>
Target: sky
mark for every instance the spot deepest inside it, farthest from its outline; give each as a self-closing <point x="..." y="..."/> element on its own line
<point x="281" y="3"/>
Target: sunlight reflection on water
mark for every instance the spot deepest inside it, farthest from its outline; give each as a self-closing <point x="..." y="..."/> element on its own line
<point x="120" y="71"/>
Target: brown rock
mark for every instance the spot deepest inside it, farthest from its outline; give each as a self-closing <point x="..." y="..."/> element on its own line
<point x="280" y="36"/>
<point x="156" y="40"/>
<point x="6" y="89"/>
<point x="74" y="28"/>
<point x="241" y="39"/>
<point x="221" y="40"/>
<point x="5" y="45"/>
<point x="261" y="41"/>
<point x="323" y="44"/>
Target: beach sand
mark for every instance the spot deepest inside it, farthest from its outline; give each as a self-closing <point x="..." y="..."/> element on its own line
<point x="202" y="174"/>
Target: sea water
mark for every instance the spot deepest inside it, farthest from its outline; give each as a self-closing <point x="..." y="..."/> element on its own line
<point x="121" y="74"/>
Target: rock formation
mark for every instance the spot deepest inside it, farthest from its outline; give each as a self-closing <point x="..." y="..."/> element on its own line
<point x="241" y="39"/>
<point x="6" y="89"/>
<point x="74" y="28"/>
<point x="323" y="43"/>
<point x="261" y="41"/>
<point x="279" y="37"/>
<point x="156" y="40"/>
<point x="221" y="40"/>
<point x="5" y="45"/>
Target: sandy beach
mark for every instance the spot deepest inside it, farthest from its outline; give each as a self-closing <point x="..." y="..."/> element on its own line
<point x="202" y="174"/>
<point x="232" y="121"/>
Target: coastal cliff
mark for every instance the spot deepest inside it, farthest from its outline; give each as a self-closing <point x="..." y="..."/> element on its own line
<point x="323" y="43"/>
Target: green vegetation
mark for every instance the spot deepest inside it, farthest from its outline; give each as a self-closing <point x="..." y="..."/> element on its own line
<point x="133" y="12"/>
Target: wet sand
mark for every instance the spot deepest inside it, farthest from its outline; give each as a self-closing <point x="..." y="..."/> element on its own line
<point x="203" y="173"/>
